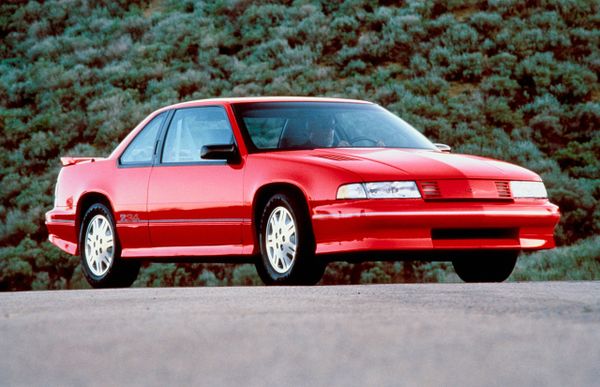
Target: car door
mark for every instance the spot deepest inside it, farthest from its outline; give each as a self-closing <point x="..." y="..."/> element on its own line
<point x="130" y="182"/>
<point x="193" y="201"/>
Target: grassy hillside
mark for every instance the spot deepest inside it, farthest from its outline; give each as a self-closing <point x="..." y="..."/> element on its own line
<point x="508" y="79"/>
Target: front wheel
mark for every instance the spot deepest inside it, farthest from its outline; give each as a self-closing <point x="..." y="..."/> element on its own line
<point x="101" y="252"/>
<point x="287" y="244"/>
<point x="490" y="266"/>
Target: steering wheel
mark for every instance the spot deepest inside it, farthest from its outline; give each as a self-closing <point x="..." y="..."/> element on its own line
<point x="363" y="138"/>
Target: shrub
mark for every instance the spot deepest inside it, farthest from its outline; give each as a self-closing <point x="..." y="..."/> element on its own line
<point x="486" y="23"/>
<point x="578" y="262"/>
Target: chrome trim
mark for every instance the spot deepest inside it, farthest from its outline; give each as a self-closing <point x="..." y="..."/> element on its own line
<point x="203" y="220"/>
<point x="61" y="221"/>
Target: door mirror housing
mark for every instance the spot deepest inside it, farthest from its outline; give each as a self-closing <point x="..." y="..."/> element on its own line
<point x="443" y="147"/>
<point x="227" y="152"/>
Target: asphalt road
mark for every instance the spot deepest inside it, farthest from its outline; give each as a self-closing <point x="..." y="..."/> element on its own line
<point x="425" y="334"/>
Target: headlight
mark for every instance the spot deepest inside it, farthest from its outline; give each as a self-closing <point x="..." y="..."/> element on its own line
<point x="528" y="189"/>
<point x="352" y="191"/>
<point x="380" y="190"/>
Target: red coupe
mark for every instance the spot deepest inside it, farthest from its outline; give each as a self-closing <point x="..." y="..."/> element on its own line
<point x="291" y="184"/>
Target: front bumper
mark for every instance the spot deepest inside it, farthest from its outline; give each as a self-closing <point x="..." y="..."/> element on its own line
<point x="417" y="225"/>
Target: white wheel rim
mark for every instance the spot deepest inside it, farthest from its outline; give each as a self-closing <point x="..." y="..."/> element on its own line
<point x="281" y="241"/>
<point x="99" y="245"/>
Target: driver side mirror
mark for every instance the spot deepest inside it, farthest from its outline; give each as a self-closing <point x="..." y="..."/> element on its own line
<point x="443" y="147"/>
<point x="227" y="152"/>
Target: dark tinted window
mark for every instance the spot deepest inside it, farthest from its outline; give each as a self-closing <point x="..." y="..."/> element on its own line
<point x="305" y="125"/>
<point x="191" y="129"/>
<point x="141" y="149"/>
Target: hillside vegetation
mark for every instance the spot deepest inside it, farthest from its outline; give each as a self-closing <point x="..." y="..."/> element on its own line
<point x="514" y="80"/>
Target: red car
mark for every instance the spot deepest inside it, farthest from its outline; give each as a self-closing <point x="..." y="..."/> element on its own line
<point x="291" y="184"/>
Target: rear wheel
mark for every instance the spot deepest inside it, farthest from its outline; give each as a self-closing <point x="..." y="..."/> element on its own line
<point x="287" y="244"/>
<point x="101" y="252"/>
<point x="491" y="266"/>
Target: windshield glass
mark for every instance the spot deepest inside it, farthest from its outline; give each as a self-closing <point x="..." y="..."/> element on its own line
<point x="308" y="125"/>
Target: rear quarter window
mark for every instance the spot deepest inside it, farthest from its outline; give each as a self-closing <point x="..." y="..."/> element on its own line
<point x="142" y="147"/>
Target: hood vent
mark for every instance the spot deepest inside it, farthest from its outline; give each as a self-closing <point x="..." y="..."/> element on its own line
<point x="336" y="157"/>
<point x="503" y="188"/>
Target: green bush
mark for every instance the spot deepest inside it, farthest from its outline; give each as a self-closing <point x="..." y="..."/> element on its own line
<point x="580" y="261"/>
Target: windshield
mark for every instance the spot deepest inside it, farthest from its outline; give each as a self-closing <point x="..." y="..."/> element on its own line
<point x="308" y="125"/>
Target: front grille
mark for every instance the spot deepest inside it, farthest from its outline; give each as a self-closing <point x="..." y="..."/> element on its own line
<point x="474" y="233"/>
<point x="465" y="190"/>
<point x="430" y="189"/>
<point x="503" y="188"/>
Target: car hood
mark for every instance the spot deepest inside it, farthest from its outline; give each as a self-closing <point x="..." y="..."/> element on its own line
<point x="387" y="164"/>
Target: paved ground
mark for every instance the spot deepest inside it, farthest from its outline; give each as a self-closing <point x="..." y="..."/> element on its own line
<point x="426" y="334"/>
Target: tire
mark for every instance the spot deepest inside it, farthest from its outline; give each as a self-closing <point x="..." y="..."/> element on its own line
<point x="100" y="251"/>
<point x="287" y="244"/>
<point x="491" y="266"/>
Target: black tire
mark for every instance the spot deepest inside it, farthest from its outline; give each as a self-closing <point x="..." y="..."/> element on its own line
<point x="119" y="273"/>
<point x="486" y="266"/>
<point x="306" y="268"/>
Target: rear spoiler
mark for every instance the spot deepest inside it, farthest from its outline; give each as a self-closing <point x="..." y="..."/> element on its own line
<point x="66" y="161"/>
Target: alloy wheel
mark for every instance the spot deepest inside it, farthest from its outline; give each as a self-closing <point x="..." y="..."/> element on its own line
<point x="99" y="245"/>
<point x="281" y="241"/>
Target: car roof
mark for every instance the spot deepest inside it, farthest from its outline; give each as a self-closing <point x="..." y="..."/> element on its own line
<point x="232" y="100"/>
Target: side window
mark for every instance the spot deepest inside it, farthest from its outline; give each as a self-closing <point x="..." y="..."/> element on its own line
<point x="141" y="149"/>
<point x="191" y="129"/>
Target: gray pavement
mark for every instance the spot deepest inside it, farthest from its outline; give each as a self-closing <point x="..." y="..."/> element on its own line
<point x="381" y="335"/>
